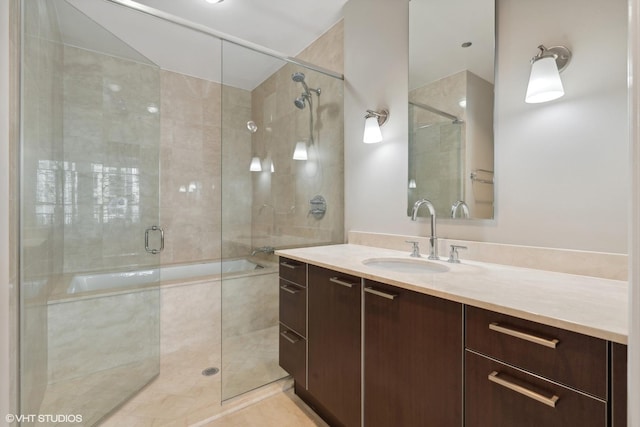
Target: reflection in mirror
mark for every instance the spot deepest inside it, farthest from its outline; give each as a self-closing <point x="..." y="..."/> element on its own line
<point x="451" y="73"/>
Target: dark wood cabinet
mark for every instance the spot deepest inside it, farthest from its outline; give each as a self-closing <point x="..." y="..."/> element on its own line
<point x="576" y="360"/>
<point x="412" y="358"/>
<point x="334" y="344"/>
<point x="293" y="320"/>
<point x="618" y="385"/>
<point x="364" y="353"/>
<point x="499" y="395"/>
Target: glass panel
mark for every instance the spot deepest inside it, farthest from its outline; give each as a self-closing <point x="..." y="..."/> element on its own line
<point x="268" y="108"/>
<point x="90" y="188"/>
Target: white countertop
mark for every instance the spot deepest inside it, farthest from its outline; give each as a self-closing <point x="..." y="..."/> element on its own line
<point x="588" y="305"/>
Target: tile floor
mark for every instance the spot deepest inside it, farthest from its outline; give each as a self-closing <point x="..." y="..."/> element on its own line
<point x="281" y="410"/>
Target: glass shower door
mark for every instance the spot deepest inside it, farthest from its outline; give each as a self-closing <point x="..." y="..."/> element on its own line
<point x="90" y="303"/>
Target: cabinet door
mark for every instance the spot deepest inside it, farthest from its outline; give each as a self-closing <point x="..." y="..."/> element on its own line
<point x="618" y="385"/>
<point x="334" y="347"/>
<point x="500" y="396"/>
<point x="413" y="359"/>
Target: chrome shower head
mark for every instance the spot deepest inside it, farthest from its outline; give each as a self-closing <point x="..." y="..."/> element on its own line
<point x="300" y="102"/>
<point x="298" y="77"/>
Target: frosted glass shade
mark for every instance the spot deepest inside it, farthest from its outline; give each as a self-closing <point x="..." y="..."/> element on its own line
<point x="256" y="165"/>
<point x="300" y="152"/>
<point x="544" y="81"/>
<point x="372" y="132"/>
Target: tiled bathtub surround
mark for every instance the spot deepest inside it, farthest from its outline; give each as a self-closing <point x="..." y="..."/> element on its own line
<point x="596" y="264"/>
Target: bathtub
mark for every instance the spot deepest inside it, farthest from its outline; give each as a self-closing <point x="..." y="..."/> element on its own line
<point x="138" y="278"/>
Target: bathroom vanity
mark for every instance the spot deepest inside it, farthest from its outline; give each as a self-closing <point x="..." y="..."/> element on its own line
<point x="375" y="338"/>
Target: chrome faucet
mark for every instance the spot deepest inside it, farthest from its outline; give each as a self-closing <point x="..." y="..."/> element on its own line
<point x="264" y="249"/>
<point x="433" y="240"/>
<point x="460" y="204"/>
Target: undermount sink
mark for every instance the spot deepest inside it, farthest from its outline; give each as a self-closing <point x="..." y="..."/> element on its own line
<point x="406" y="265"/>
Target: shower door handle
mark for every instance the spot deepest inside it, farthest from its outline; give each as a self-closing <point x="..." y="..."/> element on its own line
<point x="146" y="239"/>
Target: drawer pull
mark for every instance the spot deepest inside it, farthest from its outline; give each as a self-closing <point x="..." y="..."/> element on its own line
<point x="551" y="343"/>
<point x="288" y="265"/>
<point x="289" y="289"/>
<point x="292" y="340"/>
<point x="341" y="282"/>
<point x="380" y="293"/>
<point x="549" y="401"/>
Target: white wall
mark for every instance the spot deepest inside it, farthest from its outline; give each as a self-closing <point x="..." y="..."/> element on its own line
<point x="634" y="240"/>
<point x="561" y="176"/>
<point x="4" y="210"/>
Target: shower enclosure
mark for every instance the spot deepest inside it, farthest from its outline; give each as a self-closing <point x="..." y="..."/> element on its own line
<point x="436" y="158"/>
<point x="151" y="203"/>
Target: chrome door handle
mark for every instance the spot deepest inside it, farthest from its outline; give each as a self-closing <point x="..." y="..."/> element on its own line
<point x="341" y="282"/>
<point x="551" y="343"/>
<point x="549" y="401"/>
<point x="146" y="239"/>
<point x="292" y="340"/>
<point x="380" y="293"/>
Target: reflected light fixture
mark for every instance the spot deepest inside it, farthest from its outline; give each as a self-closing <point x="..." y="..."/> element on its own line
<point x="544" y="81"/>
<point x="256" y="165"/>
<point x="373" y="121"/>
<point x="412" y="183"/>
<point x="300" y="152"/>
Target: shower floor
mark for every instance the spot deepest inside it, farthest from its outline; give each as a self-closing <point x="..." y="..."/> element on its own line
<point x="250" y="361"/>
<point x="181" y="395"/>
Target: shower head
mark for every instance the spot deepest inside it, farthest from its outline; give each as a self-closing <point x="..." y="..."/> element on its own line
<point x="299" y="102"/>
<point x="298" y="77"/>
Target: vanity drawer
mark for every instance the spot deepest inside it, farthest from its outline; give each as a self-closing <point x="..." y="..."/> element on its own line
<point x="500" y="396"/>
<point x="293" y="307"/>
<point x="573" y="359"/>
<point x="293" y="271"/>
<point x="293" y="355"/>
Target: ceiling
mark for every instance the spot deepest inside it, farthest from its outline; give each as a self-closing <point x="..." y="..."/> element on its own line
<point x="437" y="29"/>
<point x="286" y="26"/>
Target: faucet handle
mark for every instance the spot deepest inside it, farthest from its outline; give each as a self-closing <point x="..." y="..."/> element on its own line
<point x="416" y="248"/>
<point x="453" y="254"/>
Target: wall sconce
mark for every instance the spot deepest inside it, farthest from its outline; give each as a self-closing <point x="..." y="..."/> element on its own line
<point x="256" y="164"/>
<point x="544" y="81"/>
<point x="300" y="152"/>
<point x="373" y="121"/>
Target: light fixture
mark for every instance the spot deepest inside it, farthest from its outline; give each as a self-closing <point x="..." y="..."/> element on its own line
<point x="214" y="1"/>
<point x="463" y="103"/>
<point x="412" y="183"/>
<point x="256" y="165"/>
<point x="300" y="152"/>
<point x="373" y="121"/>
<point x="544" y="81"/>
<point x="153" y="108"/>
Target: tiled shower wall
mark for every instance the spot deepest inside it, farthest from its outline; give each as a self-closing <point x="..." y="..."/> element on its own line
<point x="281" y="199"/>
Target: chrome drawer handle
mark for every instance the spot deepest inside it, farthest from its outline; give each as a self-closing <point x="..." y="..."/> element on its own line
<point x="551" y="343"/>
<point x="341" y="282"/>
<point x="289" y="289"/>
<point x="549" y="401"/>
<point x="286" y="336"/>
<point x="380" y="293"/>
<point x="287" y="265"/>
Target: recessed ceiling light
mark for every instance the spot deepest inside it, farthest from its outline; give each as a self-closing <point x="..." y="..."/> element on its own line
<point x="463" y="103"/>
<point x="214" y="1"/>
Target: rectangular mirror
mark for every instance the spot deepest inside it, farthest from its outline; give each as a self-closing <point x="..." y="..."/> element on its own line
<point x="451" y="80"/>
